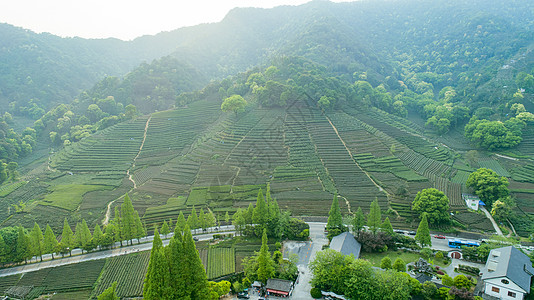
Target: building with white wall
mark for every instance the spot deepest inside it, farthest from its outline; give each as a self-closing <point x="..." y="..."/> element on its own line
<point x="507" y="274"/>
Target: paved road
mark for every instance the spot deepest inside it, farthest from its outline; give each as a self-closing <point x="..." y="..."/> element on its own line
<point x="78" y="257"/>
<point x="488" y="215"/>
<point x="306" y="252"/>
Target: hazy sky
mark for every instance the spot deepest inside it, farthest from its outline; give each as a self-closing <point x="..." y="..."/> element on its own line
<point x="124" y="19"/>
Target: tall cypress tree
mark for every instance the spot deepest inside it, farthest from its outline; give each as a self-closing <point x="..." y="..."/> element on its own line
<point x="36" y="241"/>
<point x="86" y="236"/>
<point x="199" y="282"/>
<point x="249" y="214"/>
<point x="265" y="262"/>
<point x="67" y="237"/>
<point x="78" y="235"/>
<point x="22" y="250"/>
<point x="374" y="219"/>
<point x="139" y="228"/>
<point x="178" y="274"/>
<point x="335" y="220"/>
<point x="98" y="237"/>
<point x="127" y="219"/>
<point x="50" y="241"/>
<point x="227" y="218"/>
<point x="118" y="237"/>
<point x="260" y="214"/>
<point x="423" y="233"/>
<point x="180" y="223"/>
<point x="202" y="220"/>
<point x="165" y="228"/>
<point x="157" y="276"/>
<point x="386" y="226"/>
<point x="192" y="220"/>
<point x="358" y="222"/>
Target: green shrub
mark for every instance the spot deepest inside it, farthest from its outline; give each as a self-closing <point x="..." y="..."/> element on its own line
<point x="316" y="293"/>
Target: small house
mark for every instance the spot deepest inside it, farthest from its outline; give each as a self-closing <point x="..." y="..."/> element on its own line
<point x="472" y="201"/>
<point x="279" y="287"/>
<point x="346" y="244"/>
<point x="507" y="273"/>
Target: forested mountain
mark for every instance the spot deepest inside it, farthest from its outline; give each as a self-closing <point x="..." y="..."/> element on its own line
<point x="365" y="100"/>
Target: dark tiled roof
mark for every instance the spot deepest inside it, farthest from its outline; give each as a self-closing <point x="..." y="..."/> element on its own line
<point x="346" y="244"/>
<point x="511" y="263"/>
<point x="279" y="285"/>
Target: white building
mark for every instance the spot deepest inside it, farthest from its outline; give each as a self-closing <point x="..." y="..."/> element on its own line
<point x="507" y="274"/>
<point x="471" y="201"/>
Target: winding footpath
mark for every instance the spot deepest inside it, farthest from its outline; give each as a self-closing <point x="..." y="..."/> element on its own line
<point x="130" y="176"/>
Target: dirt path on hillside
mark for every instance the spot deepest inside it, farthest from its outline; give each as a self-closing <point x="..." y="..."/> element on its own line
<point x="350" y="153"/>
<point x="130" y="177"/>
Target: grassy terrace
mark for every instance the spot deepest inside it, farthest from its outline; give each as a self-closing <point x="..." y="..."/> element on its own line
<point x="113" y="149"/>
<point x="351" y="182"/>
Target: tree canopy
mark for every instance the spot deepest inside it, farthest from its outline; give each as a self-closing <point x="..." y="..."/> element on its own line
<point x="488" y="186"/>
<point x="234" y="103"/>
<point x="434" y="203"/>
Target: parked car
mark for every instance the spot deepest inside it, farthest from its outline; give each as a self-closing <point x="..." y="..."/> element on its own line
<point x="399" y="231"/>
<point x="412" y="233"/>
<point x="439" y="236"/>
<point x="195" y="239"/>
<point x="243" y="295"/>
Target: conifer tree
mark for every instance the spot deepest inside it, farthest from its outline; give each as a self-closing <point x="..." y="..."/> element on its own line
<point x="265" y="263"/>
<point x="67" y="237"/>
<point x="335" y="220"/>
<point x="22" y="249"/>
<point x="386" y="226"/>
<point x="109" y="235"/>
<point x="211" y="220"/>
<point x="86" y="236"/>
<point x="139" y="228"/>
<point x="192" y="220"/>
<point x="36" y="241"/>
<point x="423" y="233"/>
<point x="199" y="282"/>
<point x="180" y="223"/>
<point x="202" y="220"/>
<point x="49" y="241"/>
<point x="374" y="219"/>
<point x="227" y="218"/>
<point x="178" y="273"/>
<point x="128" y="227"/>
<point x="239" y="221"/>
<point x="249" y="214"/>
<point x="261" y="212"/>
<point x="358" y="222"/>
<point x="117" y="236"/>
<point x="98" y="236"/>
<point x="171" y="225"/>
<point x="78" y="235"/>
<point x="157" y="276"/>
<point x="399" y="265"/>
<point x="165" y="229"/>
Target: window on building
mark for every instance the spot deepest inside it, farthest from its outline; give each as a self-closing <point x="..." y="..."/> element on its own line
<point x="495" y="289"/>
<point x="511" y="294"/>
<point x="505" y="281"/>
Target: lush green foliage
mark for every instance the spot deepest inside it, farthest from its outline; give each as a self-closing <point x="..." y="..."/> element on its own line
<point x="434" y="204"/>
<point x="355" y="278"/>
<point x="488" y="185"/>
<point x="493" y="135"/>
<point x="423" y="233"/>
